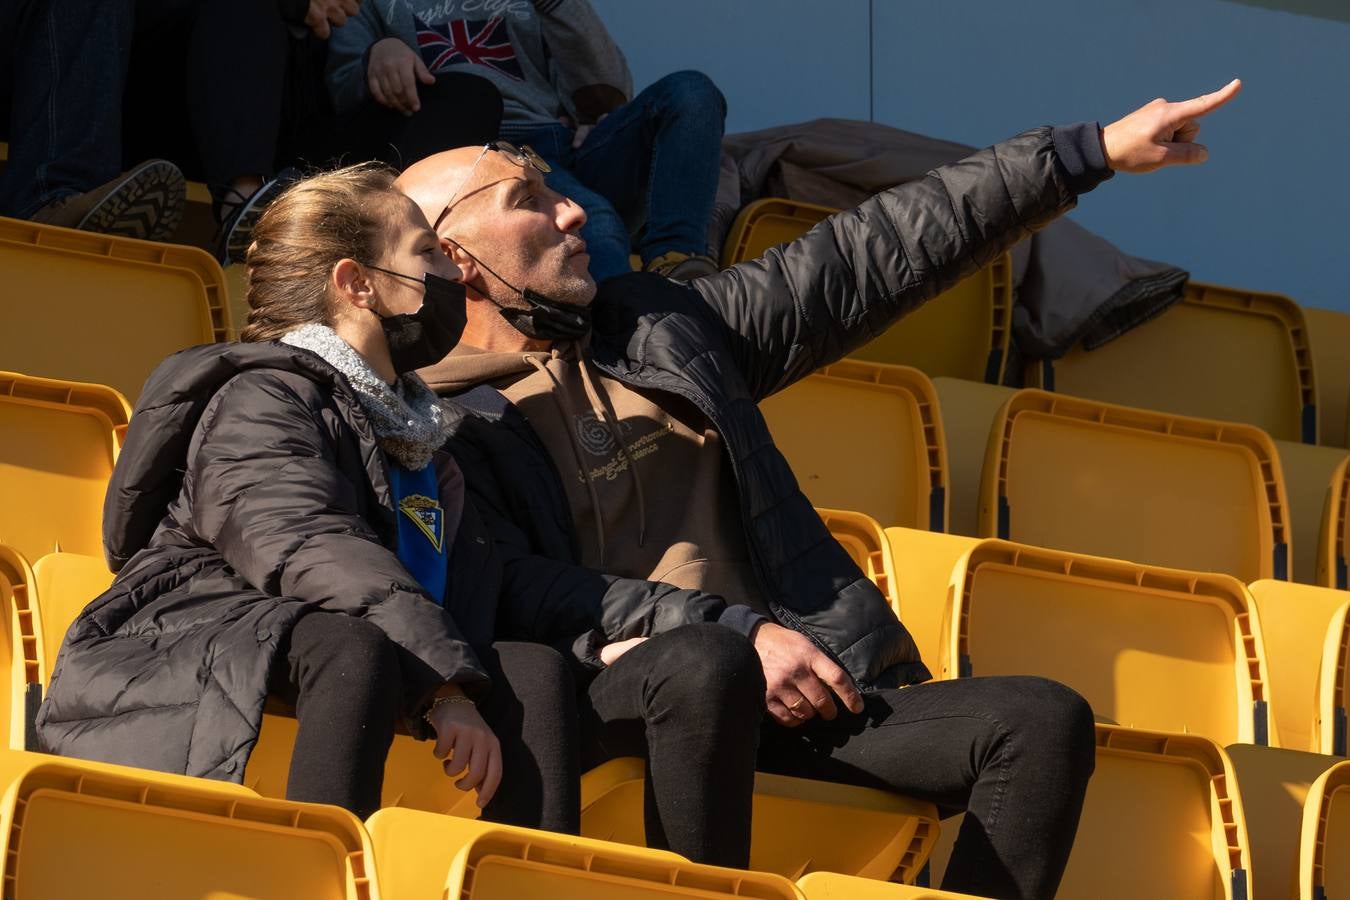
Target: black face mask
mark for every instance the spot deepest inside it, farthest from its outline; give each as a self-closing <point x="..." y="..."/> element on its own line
<point x="420" y="339"/>
<point x="546" y="319"/>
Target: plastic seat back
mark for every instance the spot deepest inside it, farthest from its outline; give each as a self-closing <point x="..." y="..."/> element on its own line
<point x="1219" y="353"/>
<point x="423" y="856"/>
<point x="829" y="886"/>
<point x="1274" y="785"/>
<point x="923" y="562"/>
<point x="1333" y="540"/>
<point x="1148" y="647"/>
<point x="865" y="540"/>
<point x="1307" y="640"/>
<point x="74" y="829"/>
<point x="1324" y="866"/>
<point x="114" y="307"/>
<point x="66" y="583"/>
<point x="1163" y="818"/>
<point x="968" y="412"/>
<point x="1134" y="484"/>
<point x="799" y="826"/>
<point x="1308" y="474"/>
<point x="19" y="648"/>
<point x="865" y="437"/>
<point x="60" y="442"/>
<point x="1329" y="335"/>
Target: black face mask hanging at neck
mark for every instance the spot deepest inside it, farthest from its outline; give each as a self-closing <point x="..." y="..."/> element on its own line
<point x="420" y="339"/>
<point x="546" y="319"/>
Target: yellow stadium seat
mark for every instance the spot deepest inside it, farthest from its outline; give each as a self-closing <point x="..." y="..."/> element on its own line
<point x="1324" y="864"/>
<point x="1163" y="818"/>
<point x="865" y="540"/>
<point x="964" y="332"/>
<point x="111" y="308"/>
<point x="1307" y="638"/>
<point x="1329" y="335"/>
<point x="887" y="418"/>
<point x="75" y="829"/>
<point x="66" y="583"/>
<point x="968" y="410"/>
<point x="1308" y="472"/>
<point x="60" y="441"/>
<point x="1151" y="648"/>
<point x="799" y="826"/>
<point x="829" y="886"/>
<point x="236" y="286"/>
<point x="1333" y="540"/>
<point x="20" y="651"/>
<point x="1274" y="785"/>
<point x="923" y="562"/>
<point x="423" y="856"/>
<point x="1151" y="487"/>
<point x="1220" y="353"/>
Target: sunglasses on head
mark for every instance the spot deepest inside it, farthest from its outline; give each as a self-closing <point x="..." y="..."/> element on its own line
<point x="523" y="156"/>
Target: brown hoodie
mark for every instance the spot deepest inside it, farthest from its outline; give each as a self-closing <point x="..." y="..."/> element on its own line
<point x="673" y="516"/>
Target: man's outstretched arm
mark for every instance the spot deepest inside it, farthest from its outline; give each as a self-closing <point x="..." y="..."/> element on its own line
<point x="812" y="301"/>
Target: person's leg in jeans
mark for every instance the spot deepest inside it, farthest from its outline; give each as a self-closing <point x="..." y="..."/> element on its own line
<point x="692" y="701"/>
<point x="656" y="160"/>
<point x="605" y="232"/>
<point x="1015" y="753"/>
<point x="343" y="675"/>
<point x="531" y="708"/>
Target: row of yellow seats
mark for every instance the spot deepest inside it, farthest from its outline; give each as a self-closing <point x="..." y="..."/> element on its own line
<point x="1165" y="815"/>
<point x="1052" y="470"/>
<point x="1220" y="353"/>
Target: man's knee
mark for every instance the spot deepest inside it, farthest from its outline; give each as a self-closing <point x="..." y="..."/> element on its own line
<point x="346" y="647"/>
<point x="1055" y="716"/>
<point x="690" y="89"/>
<point x="712" y="663"/>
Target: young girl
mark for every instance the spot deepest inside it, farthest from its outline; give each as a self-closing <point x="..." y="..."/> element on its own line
<point x="283" y="522"/>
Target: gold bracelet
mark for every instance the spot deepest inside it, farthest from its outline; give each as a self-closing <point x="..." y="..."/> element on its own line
<point x="456" y="698"/>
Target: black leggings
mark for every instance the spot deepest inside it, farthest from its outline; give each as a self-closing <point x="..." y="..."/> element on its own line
<point x="344" y="677"/>
<point x="459" y="110"/>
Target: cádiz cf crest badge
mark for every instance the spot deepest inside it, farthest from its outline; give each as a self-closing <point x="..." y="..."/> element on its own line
<point x="427" y="515"/>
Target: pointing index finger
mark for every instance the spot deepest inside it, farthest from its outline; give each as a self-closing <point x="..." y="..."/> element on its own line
<point x="1206" y="103"/>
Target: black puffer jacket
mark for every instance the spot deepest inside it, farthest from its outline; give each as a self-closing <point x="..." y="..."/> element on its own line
<point x="251" y="490"/>
<point x="726" y="342"/>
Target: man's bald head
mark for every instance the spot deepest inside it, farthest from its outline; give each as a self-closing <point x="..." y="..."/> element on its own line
<point x="505" y="228"/>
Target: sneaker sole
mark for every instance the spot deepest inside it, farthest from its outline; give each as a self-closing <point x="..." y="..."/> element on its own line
<point x="147" y="204"/>
<point x="233" y="248"/>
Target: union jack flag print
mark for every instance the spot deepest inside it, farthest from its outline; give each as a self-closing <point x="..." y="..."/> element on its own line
<point x="479" y="43"/>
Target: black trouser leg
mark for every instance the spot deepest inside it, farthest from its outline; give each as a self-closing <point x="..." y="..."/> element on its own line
<point x="342" y="673"/>
<point x="691" y="701"/>
<point x="532" y="710"/>
<point x="459" y="110"/>
<point x="1015" y="753"/>
<point x="235" y="98"/>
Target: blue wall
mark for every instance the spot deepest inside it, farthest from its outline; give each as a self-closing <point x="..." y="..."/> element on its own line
<point x="1267" y="212"/>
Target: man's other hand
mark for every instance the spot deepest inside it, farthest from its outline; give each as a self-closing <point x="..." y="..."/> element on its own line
<point x="393" y="74"/>
<point x="1162" y="134"/>
<point x="800" y="677"/>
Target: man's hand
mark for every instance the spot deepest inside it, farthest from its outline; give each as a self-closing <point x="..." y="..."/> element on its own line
<point x="393" y="73"/>
<point x="466" y="744"/>
<point x="611" y="652"/>
<point x="1162" y="134"/>
<point x="323" y="13"/>
<point x="800" y="677"/>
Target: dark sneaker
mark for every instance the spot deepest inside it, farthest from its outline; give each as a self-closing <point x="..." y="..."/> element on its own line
<point x="236" y="232"/>
<point x="145" y="203"/>
<point x="683" y="266"/>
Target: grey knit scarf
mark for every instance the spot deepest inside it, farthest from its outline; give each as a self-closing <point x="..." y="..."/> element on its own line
<point x="409" y="419"/>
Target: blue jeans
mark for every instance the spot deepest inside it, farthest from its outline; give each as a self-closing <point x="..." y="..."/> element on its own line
<point x="70" y="60"/>
<point x="649" y="168"/>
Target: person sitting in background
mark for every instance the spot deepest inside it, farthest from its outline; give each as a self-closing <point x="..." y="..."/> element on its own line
<point x="65" y="129"/>
<point x="618" y="426"/>
<point x="646" y="164"/>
